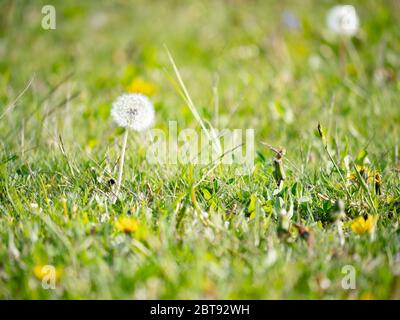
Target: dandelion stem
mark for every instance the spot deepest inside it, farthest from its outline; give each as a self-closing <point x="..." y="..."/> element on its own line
<point x="325" y="144"/>
<point x="337" y="169"/>
<point x="342" y="56"/>
<point x="121" y="164"/>
<point x="365" y="187"/>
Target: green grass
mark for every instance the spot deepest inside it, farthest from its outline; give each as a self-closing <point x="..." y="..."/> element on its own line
<point x="55" y="203"/>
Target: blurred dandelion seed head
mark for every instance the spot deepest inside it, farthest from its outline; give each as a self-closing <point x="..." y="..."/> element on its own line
<point x="133" y="111"/>
<point x="343" y="20"/>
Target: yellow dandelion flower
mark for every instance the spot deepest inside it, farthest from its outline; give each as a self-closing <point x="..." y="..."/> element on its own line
<point x="42" y="271"/>
<point x="361" y="225"/>
<point x="351" y="176"/>
<point x="141" y="86"/>
<point x="367" y="296"/>
<point x="364" y="171"/>
<point x="126" y="224"/>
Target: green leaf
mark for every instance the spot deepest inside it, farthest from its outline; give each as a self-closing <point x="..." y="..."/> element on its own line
<point x="252" y="204"/>
<point x="207" y="195"/>
<point x="362" y="154"/>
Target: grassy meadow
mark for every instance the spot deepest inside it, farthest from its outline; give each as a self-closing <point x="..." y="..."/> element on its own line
<point x="186" y="231"/>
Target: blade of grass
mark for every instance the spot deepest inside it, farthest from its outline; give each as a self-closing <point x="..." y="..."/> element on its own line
<point x="191" y="105"/>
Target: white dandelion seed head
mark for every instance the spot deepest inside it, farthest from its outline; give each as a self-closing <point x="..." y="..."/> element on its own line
<point x="133" y="111"/>
<point x="343" y="19"/>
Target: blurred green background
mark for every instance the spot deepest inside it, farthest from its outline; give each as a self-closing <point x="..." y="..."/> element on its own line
<point x="268" y="65"/>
